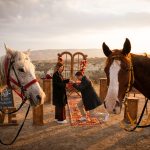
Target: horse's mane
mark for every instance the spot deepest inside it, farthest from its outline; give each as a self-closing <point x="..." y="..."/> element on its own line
<point x="141" y="61"/>
<point x="143" y="58"/>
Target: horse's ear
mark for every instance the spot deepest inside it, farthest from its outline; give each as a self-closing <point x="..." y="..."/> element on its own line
<point x="106" y="50"/>
<point x="28" y="52"/>
<point x="126" y="47"/>
<point x="9" y="51"/>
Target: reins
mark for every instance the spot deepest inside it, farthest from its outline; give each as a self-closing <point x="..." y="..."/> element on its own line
<point x="21" y="94"/>
<point x="19" y="130"/>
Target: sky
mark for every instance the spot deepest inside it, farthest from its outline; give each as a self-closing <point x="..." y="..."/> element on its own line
<point x="64" y="24"/>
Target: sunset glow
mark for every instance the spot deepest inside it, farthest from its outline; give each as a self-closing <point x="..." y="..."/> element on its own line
<point x="54" y="24"/>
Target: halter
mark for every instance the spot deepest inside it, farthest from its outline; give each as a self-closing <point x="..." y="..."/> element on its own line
<point x="131" y="76"/>
<point x="130" y="84"/>
<point x="131" y="80"/>
<point x="8" y="65"/>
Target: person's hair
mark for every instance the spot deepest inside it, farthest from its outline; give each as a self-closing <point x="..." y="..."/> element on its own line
<point x="58" y="65"/>
<point x="78" y="73"/>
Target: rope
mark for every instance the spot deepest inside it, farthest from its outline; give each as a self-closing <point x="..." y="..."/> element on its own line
<point x="131" y="120"/>
<point x="3" y="143"/>
<point x="139" y="121"/>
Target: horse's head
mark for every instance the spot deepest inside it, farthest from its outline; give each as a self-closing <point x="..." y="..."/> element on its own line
<point x="24" y="72"/>
<point x="117" y="69"/>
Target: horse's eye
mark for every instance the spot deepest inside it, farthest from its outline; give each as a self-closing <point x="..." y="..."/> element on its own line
<point x="21" y="70"/>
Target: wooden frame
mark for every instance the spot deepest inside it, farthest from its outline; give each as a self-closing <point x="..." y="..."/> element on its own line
<point x="72" y="60"/>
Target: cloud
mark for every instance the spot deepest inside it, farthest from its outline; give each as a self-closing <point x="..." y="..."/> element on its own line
<point x="54" y="15"/>
<point x="32" y="21"/>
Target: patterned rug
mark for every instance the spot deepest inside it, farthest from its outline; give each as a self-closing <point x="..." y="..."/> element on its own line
<point x="75" y="114"/>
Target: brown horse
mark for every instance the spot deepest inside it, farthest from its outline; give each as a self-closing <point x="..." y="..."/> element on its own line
<point x="124" y="71"/>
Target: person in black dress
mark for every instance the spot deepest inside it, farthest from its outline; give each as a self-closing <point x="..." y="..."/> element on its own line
<point x="59" y="94"/>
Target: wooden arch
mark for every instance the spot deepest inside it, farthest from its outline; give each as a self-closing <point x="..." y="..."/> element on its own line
<point x="77" y="58"/>
<point x="73" y="62"/>
<point x="66" y="58"/>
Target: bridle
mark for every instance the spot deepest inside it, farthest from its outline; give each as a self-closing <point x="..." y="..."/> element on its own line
<point x="131" y="75"/>
<point x="129" y="87"/>
<point x="8" y="65"/>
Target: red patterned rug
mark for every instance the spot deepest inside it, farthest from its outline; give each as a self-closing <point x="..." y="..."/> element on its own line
<point x="75" y="114"/>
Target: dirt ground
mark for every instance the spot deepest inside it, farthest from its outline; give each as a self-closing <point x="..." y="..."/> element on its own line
<point x="51" y="136"/>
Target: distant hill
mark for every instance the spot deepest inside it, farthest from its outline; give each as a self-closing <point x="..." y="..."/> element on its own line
<point x="51" y="54"/>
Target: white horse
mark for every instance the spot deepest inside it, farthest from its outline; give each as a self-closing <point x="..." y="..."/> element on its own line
<point x="17" y="71"/>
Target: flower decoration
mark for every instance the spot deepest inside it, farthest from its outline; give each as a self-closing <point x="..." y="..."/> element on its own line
<point x="60" y="59"/>
<point x="83" y="65"/>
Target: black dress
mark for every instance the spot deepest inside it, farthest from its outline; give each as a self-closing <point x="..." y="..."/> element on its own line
<point x="59" y="96"/>
<point x="89" y="96"/>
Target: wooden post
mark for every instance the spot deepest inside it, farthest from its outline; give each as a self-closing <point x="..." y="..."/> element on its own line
<point x="12" y="117"/>
<point x="38" y="115"/>
<point x="2" y="117"/>
<point x="7" y="105"/>
<point x="8" y="120"/>
<point x="131" y="110"/>
<point x="103" y="88"/>
<point x="47" y="89"/>
<point x="38" y="111"/>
